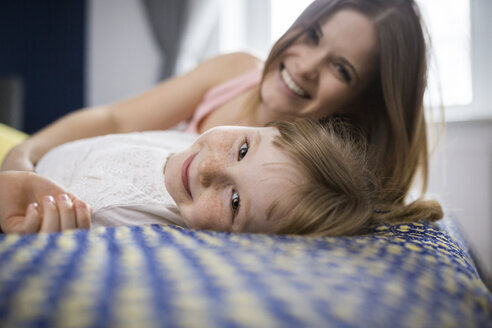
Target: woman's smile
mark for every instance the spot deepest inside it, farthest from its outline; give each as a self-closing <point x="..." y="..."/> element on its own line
<point x="292" y="87"/>
<point x="322" y="70"/>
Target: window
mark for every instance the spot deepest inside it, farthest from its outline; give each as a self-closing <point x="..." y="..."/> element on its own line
<point x="284" y="13"/>
<point x="244" y="25"/>
<point x="450" y="62"/>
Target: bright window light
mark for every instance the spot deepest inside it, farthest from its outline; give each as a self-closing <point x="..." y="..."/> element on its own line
<point x="450" y="32"/>
<point x="284" y="13"/>
<point x="451" y="62"/>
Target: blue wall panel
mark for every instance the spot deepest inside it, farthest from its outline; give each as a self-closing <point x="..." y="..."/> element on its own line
<point x="42" y="42"/>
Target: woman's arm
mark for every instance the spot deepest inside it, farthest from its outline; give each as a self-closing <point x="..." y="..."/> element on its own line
<point x="162" y="107"/>
<point x="30" y="203"/>
<point x="76" y="125"/>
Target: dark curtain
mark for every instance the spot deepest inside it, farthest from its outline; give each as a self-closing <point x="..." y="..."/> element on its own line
<point x="168" y="20"/>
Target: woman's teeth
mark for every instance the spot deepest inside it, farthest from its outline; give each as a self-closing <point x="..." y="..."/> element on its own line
<point x="292" y="85"/>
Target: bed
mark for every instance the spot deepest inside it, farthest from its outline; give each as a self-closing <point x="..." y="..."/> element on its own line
<point x="408" y="275"/>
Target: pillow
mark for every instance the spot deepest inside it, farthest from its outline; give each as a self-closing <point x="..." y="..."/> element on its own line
<point x="408" y="275"/>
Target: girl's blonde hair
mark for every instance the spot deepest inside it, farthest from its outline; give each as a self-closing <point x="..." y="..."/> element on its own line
<point x="340" y="196"/>
<point x="390" y="112"/>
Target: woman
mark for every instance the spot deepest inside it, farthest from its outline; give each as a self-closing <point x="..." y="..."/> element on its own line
<point x="362" y="59"/>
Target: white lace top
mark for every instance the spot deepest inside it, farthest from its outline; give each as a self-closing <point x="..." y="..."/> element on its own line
<point x="120" y="176"/>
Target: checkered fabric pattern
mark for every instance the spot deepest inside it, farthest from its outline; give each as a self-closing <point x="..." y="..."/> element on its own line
<point x="411" y="275"/>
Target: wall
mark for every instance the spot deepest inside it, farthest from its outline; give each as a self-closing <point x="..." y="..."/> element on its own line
<point x="461" y="177"/>
<point x="122" y="58"/>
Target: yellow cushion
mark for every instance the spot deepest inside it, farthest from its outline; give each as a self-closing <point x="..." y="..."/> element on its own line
<point x="9" y="137"/>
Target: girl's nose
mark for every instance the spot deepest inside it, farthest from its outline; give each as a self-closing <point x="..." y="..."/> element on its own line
<point x="210" y="170"/>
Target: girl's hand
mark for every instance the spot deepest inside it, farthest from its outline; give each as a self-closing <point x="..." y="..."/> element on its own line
<point x="30" y="203"/>
<point x="55" y="214"/>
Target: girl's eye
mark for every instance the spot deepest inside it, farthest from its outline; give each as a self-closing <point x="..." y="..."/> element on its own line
<point x="344" y="73"/>
<point x="235" y="202"/>
<point x="312" y="35"/>
<point x="243" y="150"/>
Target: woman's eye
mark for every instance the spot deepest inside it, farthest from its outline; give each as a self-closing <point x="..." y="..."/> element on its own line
<point x="344" y="73"/>
<point x="235" y="202"/>
<point x="312" y="35"/>
<point x="243" y="150"/>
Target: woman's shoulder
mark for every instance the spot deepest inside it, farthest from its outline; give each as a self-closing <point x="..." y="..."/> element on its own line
<point x="240" y="60"/>
<point x="227" y="66"/>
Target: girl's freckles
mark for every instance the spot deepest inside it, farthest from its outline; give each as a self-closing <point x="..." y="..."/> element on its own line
<point x="208" y="212"/>
<point x="222" y="142"/>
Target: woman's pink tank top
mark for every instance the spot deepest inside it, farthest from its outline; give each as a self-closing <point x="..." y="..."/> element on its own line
<point x="220" y="94"/>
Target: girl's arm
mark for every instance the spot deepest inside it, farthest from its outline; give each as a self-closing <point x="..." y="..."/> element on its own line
<point x="162" y="107"/>
<point x="30" y="203"/>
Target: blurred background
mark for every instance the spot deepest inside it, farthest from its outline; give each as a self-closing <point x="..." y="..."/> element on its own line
<point x="58" y="56"/>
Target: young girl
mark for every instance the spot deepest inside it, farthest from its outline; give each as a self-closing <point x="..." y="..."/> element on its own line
<point x="363" y="59"/>
<point x="296" y="178"/>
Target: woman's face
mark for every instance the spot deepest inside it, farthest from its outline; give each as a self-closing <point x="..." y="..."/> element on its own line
<point x="324" y="70"/>
<point x="227" y="180"/>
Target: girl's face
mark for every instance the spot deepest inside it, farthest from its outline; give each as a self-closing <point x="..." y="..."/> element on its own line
<point x="227" y="180"/>
<point x="324" y="70"/>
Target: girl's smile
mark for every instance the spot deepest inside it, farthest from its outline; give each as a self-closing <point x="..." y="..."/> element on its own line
<point x="185" y="174"/>
<point x="228" y="179"/>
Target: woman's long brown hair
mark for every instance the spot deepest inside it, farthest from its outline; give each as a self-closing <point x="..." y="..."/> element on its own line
<point x="391" y="110"/>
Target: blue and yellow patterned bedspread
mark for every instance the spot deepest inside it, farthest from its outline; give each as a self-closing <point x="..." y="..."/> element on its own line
<point x="412" y="275"/>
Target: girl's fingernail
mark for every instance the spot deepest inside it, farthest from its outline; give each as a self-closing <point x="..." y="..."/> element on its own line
<point x="35" y="205"/>
<point x="49" y="199"/>
<point x="63" y="198"/>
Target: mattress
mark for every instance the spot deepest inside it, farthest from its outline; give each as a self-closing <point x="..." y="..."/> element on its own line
<point x="407" y="275"/>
